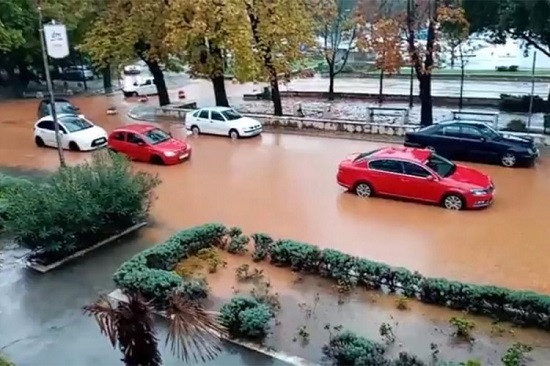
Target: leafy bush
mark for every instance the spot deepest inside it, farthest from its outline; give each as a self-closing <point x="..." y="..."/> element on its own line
<point x="262" y="242"/>
<point x="515" y="355"/>
<point x="237" y="244"/>
<point x="501" y="68"/>
<point x="9" y="184"/>
<point x="406" y="359"/>
<point x="78" y="206"/>
<point x="151" y="271"/>
<point x="513" y="103"/>
<point x="246" y="317"/>
<point x="516" y="125"/>
<point x="4" y="361"/>
<point x="347" y="348"/>
<point x="513" y="68"/>
<point x="299" y="256"/>
<point x="462" y="327"/>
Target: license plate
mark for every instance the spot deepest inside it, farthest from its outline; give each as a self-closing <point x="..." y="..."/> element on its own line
<point x="184" y="156"/>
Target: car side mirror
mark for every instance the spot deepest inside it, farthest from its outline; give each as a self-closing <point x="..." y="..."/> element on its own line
<point x="430" y="178"/>
<point x="141" y="143"/>
<point x="483" y="139"/>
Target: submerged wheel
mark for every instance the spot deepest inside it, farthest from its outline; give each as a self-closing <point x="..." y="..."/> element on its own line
<point x="453" y="202"/>
<point x="234" y="134"/>
<point x="508" y="160"/>
<point x="73" y="146"/>
<point x="39" y="142"/>
<point x="363" y="190"/>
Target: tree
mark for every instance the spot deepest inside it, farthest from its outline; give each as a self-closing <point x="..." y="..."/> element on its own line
<point x="385" y="41"/>
<point x="125" y="30"/>
<point x="456" y="31"/>
<point x="129" y="325"/>
<point x="526" y="20"/>
<point x="202" y="32"/>
<point x="337" y="23"/>
<point x="279" y="30"/>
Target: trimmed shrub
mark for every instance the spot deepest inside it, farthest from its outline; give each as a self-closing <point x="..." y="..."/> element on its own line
<point x="78" y="206"/>
<point x="347" y="348"/>
<point x="513" y="68"/>
<point x="245" y="317"/>
<point x="262" y="242"/>
<point x="151" y="271"/>
<point x="501" y="68"/>
<point x="516" y="125"/>
<point x="406" y="359"/>
<point x="299" y="256"/>
<point x="513" y="103"/>
<point x="7" y="185"/>
<point x="238" y="244"/>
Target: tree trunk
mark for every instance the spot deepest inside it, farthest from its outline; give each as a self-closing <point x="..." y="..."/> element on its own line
<point x="380" y="90"/>
<point x="276" y="97"/>
<point x="158" y="76"/>
<point x="331" y="81"/>
<point x="107" y="80"/>
<point x="425" y="83"/>
<point x="219" y="91"/>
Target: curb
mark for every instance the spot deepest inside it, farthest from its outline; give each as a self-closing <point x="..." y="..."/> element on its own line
<point x="46" y="268"/>
<point x="118" y="296"/>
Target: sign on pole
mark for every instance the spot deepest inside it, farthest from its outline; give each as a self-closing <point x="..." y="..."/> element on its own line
<point x="57" y="42"/>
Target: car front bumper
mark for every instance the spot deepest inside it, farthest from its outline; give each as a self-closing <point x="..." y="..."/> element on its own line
<point x="482" y="201"/>
<point x="185" y="155"/>
<point x="252" y="132"/>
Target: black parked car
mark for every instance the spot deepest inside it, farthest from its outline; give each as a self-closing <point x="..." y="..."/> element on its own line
<point x="474" y="141"/>
<point x="62" y="106"/>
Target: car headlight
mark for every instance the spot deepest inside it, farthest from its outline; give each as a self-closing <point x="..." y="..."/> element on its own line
<point x="169" y="154"/>
<point x="478" y="192"/>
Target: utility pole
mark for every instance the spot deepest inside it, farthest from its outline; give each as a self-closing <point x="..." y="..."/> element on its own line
<point x="50" y="89"/>
<point x="409" y="15"/>
<point x="532" y="90"/>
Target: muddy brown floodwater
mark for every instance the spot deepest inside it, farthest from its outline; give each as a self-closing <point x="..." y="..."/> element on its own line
<point x="285" y="185"/>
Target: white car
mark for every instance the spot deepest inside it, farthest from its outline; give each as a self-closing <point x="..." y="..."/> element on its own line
<point x="134" y="86"/>
<point x="222" y="121"/>
<point x="76" y="133"/>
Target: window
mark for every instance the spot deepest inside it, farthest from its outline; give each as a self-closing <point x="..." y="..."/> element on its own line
<point x="134" y="139"/>
<point x="392" y="166"/>
<point x="231" y="114"/>
<point x="471" y="132"/>
<point x="118" y="136"/>
<point x="488" y="132"/>
<point x="442" y="166"/>
<point x="452" y="130"/>
<point x="216" y="116"/>
<point x="46" y="125"/>
<point x="204" y="114"/>
<point x="196" y="114"/>
<point x="147" y="82"/>
<point x="74" y="124"/>
<point x="415" y="170"/>
<point x="156" y="136"/>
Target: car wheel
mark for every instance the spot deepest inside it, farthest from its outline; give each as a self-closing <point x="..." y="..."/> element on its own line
<point x="157" y="160"/>
<point x="39" y="142"/>
<point x="195" y="130"/>
<point x="453" y="202"/>
<point x="127" y="95"/>
<point x="73" y="146"/>
<point x="431" y="148"/>
<point x="134" y="94"/>
<point x="363" y="190"/>
<point x="234" y="134"/>
<point x="508" y="160"/>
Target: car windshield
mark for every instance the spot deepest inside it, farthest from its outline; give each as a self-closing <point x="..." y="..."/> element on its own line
<point x="63" y="108"/>
<point x="74" y="124"/>
<point x="489" y="132"/>
<point x="365" y="155"/>
<point x="231" y="114"/>
<point x="156" y="136"/>
<point x="440" y="165"/>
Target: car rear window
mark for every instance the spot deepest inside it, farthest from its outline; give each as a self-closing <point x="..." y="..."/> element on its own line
<point x="365" y="155"/>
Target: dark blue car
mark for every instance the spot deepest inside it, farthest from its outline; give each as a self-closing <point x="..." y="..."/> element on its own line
<point x="474" y="141"/>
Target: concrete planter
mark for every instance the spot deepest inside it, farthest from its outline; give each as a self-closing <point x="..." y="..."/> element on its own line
<point x="46" y="268"/>
<point x="117" y="296"/>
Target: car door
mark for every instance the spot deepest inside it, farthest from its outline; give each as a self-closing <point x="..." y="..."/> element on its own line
<point x="473" y="142"/>
<point x="450" y="145"/>
<point x="64" y="137"/>
<point x="203" y="121"/>
<point x="148" y="87"/>
<point x="419" y="183"/>
<point x="385" y="176"/>
<point x="218" y="123"/>
<point x="118" y="143"/>
<point x="136" y="147"/>
<point x="45" y="130"/>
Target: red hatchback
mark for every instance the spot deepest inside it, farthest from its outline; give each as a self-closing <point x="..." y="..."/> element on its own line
<point x="148" y="143"/>
<point x="417" y="174"/>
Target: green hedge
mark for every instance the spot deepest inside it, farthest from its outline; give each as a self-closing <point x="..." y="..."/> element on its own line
<point x="150" y="272"/>
<point x="9" y="184"/>
<point x="246" y="317"/>
<point x="348" y="348"/>
<point x="520" y="307"/>
<point x="517" y="103"/>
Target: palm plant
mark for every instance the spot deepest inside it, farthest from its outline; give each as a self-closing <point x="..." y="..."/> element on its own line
<point x="193" y="331"/>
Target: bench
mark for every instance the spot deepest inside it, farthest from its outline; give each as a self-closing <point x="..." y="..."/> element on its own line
<point x="476" y="116"/>
<point x="389" y="111"/>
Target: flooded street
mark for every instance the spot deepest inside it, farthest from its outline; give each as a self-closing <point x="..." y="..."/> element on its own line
<point x="285" y="185"/>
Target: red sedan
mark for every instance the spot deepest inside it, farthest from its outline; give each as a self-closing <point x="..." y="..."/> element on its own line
<point x="148" y="143"/>
<point x="417" y="174"/>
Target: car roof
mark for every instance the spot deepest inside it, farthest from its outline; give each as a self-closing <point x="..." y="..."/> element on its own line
<point x="403" y="153"/>
<point x="56" y="99"/>
<point x="217" y="109"/>
<point x="136" y="127"/>
<point x="463" y="121"/>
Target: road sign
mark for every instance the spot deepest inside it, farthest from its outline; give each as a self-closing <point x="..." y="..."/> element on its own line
<point x="57" y="42"/>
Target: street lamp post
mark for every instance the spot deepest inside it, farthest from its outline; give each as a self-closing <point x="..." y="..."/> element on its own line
<point x="50" y="90"/>
<point x="532" y="89"/>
